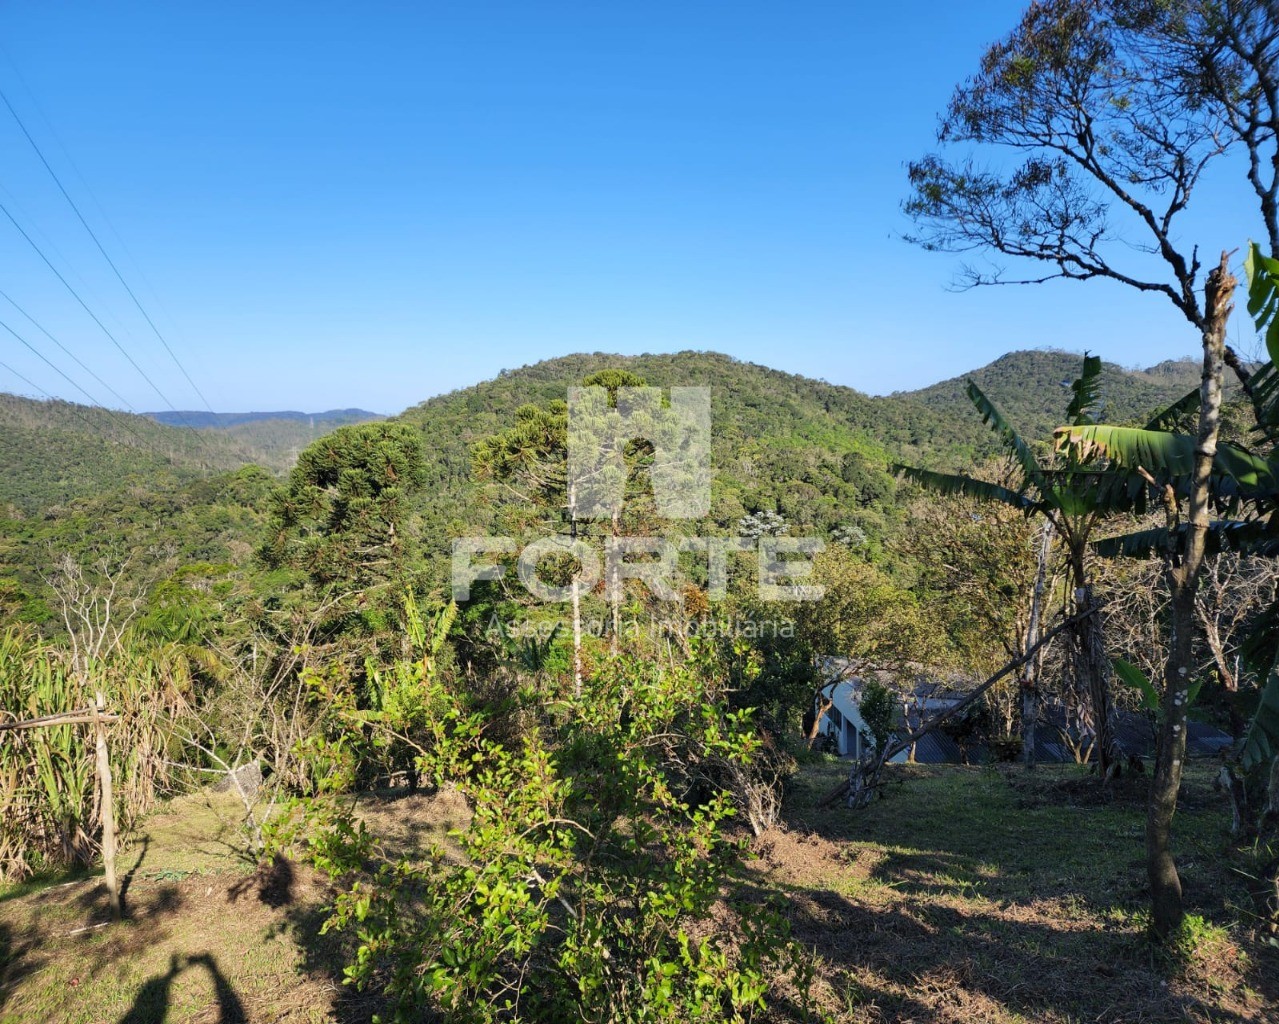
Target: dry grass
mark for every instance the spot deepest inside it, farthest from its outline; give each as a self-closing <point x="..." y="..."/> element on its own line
<point x="966" y="895"/>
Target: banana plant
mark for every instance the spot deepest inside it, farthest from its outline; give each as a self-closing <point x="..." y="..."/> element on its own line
<point x="1136" y="679"/>
<point x="1244" y="489"/>
<point x="1075" y="491"/>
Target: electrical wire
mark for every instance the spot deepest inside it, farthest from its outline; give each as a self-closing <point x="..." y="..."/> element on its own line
<point x="111" y="413"/>
<point x="105" y="330"/>
<point x="75" y="409"/>
<point x="101" y="249"/>
<point x="71" y="355"/>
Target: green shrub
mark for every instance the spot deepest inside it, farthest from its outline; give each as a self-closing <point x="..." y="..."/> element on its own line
<point x="598" y="851"/>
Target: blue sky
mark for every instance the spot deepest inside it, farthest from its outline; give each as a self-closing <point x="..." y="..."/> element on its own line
<point x="328" y="205"/>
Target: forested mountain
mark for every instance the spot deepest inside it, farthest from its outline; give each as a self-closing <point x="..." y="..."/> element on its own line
<point x="815" y="452"/>
<point x="56" y="451"/>
<point x="81" y="479"/>
<point x="195" y="418"/>
<point x="1033" y="386"/>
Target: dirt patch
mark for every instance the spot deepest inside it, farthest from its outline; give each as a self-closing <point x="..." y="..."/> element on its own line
<point x="408" y="824"/>
<point x="801" y="858"/>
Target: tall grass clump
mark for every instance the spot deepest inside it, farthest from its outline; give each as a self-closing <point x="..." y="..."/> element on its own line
<point x="50" y="816"/>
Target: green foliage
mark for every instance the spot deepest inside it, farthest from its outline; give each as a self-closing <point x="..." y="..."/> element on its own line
<point x="1087" y="392"/>
<point x="596" y="851"/>
<point x="953" y="485"/>
<point x="1263" y="296"/>
<point x="865" y="615"/>
<point x="57" y="451"/>
<point x="1130" y="675"/>
<point x="1070" y="490"/>
<point x="974" y="569"/>
<point x="1261" y="741"/>
<point x="1237" y="472"/>
<point x="343" y="515"/>
<point x="49" y="816"/>
<point x="879" y="711"/>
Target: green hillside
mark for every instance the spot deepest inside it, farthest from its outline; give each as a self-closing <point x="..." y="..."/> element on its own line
<point x="813" y="452"/>
<point x="57" y="451"/>
<point x="1032" y="388"/>
<point x="816" y="453"/>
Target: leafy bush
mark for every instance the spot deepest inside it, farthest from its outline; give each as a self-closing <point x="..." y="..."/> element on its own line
<point x="879" y="710"/>
<point x="598" y="853"/>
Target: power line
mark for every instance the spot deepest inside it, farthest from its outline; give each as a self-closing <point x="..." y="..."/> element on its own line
<point x="110" y="262"/>
<point x="112" y="414"/>
<point x="71" y="355"/>
<point x="75" y="409"/>
<point x="41" y="356"/>
<point x="83" y="305"/>
<point x="69" y="160"/>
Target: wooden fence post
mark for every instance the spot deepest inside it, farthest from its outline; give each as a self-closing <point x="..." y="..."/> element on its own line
<point x="108" y="806"/>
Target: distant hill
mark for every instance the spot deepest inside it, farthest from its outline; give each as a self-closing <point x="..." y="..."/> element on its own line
<point x="56" y="451"/>
<point x="772" y="429"/>
<point x="819" y="454"/>
<point x="331" y="418"/>
<point x="815" y="452"/>
<point x="1032" y="388"/>
<point x="269" y="439"/>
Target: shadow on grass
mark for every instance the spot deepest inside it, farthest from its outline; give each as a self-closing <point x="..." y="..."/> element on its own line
<point x="129" y="875"/>
<point x="29" y="947"/>
<point x="976" y="902"/>
<point x="929" y="962"/>
<point x="326" y="955"/>
<point x="151" y="1005"/>
<point x="273" y="880"/>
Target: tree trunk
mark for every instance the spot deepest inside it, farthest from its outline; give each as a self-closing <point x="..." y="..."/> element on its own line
<point x="1229" y="678"/>
<point x="1092" y="667"/>
<point x="1030" y="678"/>
<point x="1183" y="578"/>
<point x="821" y="704"/>
<point x="1231" y="786"/>
<point x="107" y="799"/>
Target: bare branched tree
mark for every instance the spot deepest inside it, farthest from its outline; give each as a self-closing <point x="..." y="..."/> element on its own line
<point x="97" y="605"/>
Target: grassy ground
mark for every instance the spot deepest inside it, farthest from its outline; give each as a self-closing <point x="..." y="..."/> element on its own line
<point x="967" y="894"/>
<point x="984" y="894"/>
<point x="208" y="936"/>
